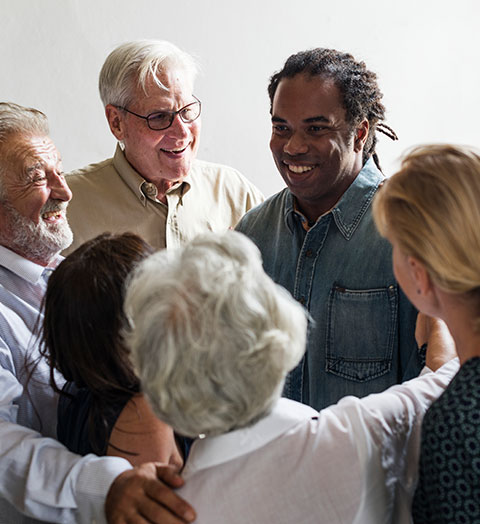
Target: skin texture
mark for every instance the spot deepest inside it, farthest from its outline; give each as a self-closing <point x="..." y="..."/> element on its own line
<point x="137" y="497"/>
<point x="138" y="431"/>
<point x="151" y="152"/>
<point x="32" y="180"/>
<point x="443" y="336"/>
<point x="309" y="130"/>
<point x="33" y="183"/>
<point x="35" y="175"/>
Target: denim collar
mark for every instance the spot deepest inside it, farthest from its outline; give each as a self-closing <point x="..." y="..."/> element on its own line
<point x="351" y="207"/>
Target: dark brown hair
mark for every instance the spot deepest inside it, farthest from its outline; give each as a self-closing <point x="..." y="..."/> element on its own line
<point x="82" y="329"/>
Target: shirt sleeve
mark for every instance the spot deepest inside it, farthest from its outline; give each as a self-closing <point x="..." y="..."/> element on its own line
<point x="44" y="480"/>
<point x="386" y="432"/>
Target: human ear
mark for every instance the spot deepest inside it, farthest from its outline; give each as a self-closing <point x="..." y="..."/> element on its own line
<point x="361" y="135"/>
<point x="115" y="121"/>
<point x="424" y="284"/>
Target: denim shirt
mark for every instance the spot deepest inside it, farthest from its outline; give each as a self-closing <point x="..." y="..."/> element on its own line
<point x="361" y="333"/>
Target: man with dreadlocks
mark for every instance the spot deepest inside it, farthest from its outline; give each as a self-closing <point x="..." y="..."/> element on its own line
<point x="317" y="236"/>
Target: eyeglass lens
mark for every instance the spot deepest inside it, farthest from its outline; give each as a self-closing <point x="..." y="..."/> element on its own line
<point x="188" y="114"/>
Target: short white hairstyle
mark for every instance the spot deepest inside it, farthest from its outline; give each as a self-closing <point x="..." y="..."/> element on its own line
<point x="18" y="120"/>
<point x="132" y="64"/>
<point x="212" y="337"/>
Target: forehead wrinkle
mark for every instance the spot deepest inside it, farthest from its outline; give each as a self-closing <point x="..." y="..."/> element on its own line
<point x="31" y="153"/>
<point x="320" y="118"/>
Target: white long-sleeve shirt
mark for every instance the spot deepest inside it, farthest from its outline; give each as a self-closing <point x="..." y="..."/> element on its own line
<point x="354" y="462"/>
<point x="38" y="476"/>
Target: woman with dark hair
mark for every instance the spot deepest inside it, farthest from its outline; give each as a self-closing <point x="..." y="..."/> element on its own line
<point x="101" y="408"/>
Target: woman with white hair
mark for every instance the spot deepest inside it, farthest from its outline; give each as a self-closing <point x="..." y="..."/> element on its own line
<point x="213" y="338"/>
<point x="430" y="212"/>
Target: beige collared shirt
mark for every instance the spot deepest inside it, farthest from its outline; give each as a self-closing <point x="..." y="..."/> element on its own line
<point x="112" y="197"/>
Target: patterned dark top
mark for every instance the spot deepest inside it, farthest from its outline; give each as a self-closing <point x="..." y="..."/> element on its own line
<point x="449" y="477"/>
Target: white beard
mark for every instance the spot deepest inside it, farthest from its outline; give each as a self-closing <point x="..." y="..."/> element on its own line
<point x="40" y="242"/>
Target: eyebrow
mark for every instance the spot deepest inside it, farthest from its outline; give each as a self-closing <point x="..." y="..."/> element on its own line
<point x="307" y="120"/>
<point x="317" y="119"/>
<point x="37" y="165"/>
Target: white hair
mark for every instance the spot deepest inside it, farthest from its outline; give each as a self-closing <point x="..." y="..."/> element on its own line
<point x="212" y="337"/>
<point x="16" y="120"/>
<point x="133" y="63"/>
<point x="40" y="241"/>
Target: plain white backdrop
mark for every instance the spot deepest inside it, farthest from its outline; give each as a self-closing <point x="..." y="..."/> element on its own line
<point x="425" y="52"/>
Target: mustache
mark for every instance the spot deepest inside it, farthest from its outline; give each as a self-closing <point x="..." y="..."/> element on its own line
<point x="53" y="204"/>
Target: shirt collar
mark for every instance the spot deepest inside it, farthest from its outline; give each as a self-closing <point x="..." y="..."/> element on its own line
<point x="213" y="451"/>
<point x="137" y="184"/>
<point x="353" y="204"/>
<point x="24" y="268"/>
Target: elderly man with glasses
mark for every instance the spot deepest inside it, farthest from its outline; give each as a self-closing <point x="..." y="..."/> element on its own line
<point x="153" y="185"/>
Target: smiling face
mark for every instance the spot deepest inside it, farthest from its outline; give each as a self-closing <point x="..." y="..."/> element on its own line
<point x="315" y="149"/>
<point x="162" y="156"/>
<point x="34" y="199"/>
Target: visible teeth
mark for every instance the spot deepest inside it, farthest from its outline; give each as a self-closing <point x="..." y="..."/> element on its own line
<point x="174" y="150"/>
<point x="52" y="214"/>
<point x="300" y="169"/>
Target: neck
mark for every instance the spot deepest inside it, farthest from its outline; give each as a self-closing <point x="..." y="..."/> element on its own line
<point x="40" y="260"/>
<point x="460" y="322"/>
<point x="314" y="208"/>
<point x="466" y="342"/>
<point x="163" y="186"/>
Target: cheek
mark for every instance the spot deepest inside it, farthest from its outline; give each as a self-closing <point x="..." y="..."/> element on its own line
<point x="195" y="130"/>
<point x="275" y="146"/>
<point x="30" y="207"/>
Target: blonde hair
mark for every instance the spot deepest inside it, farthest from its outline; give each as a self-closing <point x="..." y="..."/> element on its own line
<point x="431" y="207"/>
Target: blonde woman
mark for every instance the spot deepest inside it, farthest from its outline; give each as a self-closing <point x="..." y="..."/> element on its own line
<point x="430" y="212"/>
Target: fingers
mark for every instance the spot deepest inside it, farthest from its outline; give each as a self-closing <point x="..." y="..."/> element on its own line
<point x="168" y="473"/>
<point x="141" y="496"/>
<point x="162" y="493"/>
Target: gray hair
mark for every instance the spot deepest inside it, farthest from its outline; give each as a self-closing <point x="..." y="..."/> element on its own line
<point x="16" y="119"/>
<point x="211" y="335"/>
<point x="133" y="63"/>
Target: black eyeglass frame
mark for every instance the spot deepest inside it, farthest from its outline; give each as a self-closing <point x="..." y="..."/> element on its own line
<point x="172" y="114"/>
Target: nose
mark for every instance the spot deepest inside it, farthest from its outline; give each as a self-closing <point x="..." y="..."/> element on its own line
<point x="295" y="145"/>
<point x="179" y="129"/>
<point x="59" y="189"/>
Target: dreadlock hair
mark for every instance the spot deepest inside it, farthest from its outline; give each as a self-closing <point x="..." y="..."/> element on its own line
<point x="358" y="87"/>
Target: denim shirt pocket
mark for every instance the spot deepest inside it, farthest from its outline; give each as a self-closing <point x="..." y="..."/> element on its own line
<point x="361" y="332"/>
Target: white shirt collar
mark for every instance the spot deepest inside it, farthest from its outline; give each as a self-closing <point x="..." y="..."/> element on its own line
<point x="23" y="267"/>
<point x="213" y="451"/>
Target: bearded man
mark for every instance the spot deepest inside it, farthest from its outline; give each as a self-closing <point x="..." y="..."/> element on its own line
<point x="40" y="477"/>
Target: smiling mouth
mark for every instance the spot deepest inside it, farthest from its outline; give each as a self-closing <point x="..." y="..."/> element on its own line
<point x="51" y="216"/>
<point x="174" y="151"/>
<point x="298" y="169"/>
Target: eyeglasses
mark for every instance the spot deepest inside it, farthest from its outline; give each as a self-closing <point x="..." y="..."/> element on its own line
<point x="164" y="119"/>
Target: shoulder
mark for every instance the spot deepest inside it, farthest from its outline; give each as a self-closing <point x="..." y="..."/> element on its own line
<point x="93" y="173"/>
<point x="139" y="436"/>
<point x="227" y="177"/>
<point x="272" y="209"/>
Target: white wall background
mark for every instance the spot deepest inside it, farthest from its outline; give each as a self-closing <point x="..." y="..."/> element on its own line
<point x="426" y="53"/>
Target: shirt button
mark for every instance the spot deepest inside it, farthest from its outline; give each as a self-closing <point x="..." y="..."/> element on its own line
<point x="302" y="301"/>
<point x="309" y="253"/>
